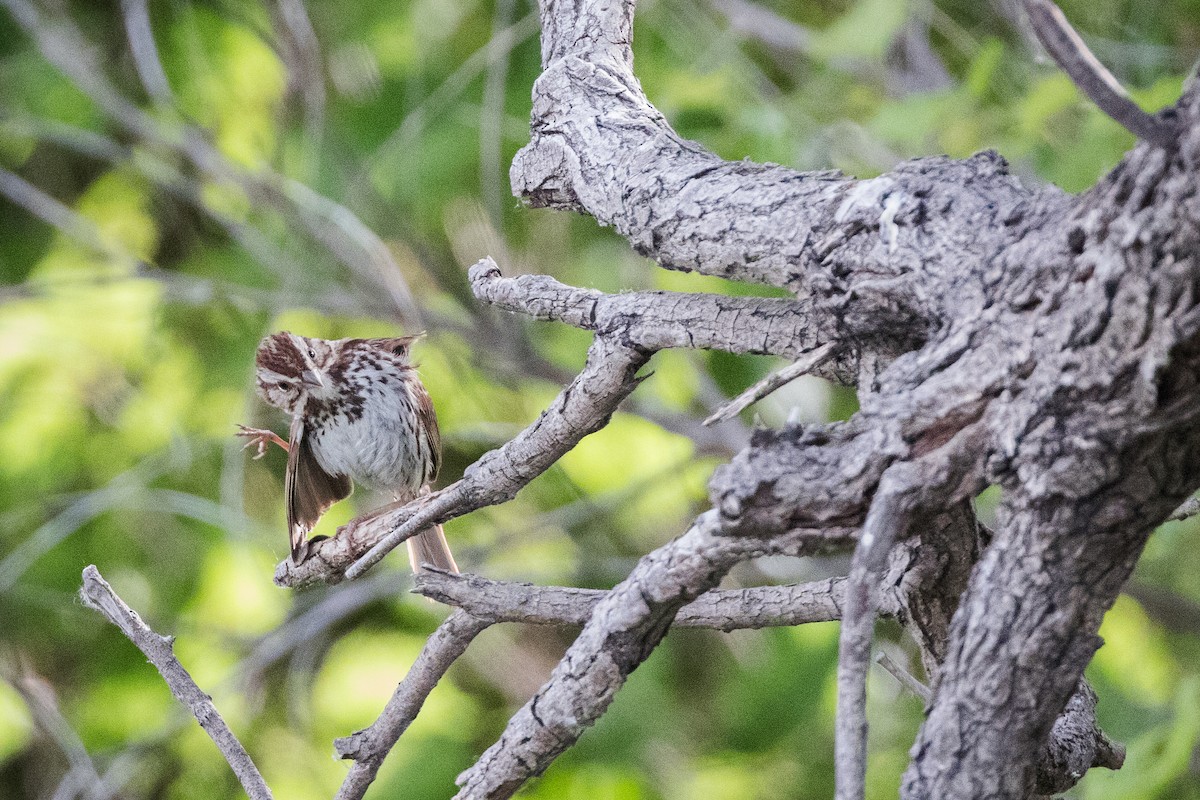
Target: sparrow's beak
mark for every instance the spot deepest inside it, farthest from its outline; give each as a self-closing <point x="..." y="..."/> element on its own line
<point x="312" y="379"/>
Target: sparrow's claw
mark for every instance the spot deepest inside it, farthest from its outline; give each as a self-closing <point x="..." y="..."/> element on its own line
<point x="260" y="438"/>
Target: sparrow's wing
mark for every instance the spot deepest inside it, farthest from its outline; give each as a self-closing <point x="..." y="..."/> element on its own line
<point x="309" y="490"/>
<point x="428" y="435"/>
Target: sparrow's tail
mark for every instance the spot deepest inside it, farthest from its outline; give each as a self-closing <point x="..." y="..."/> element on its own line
<point x="429" y="547"/>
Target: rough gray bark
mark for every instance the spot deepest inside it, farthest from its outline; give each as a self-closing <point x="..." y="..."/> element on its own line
<point x="996" y="333"/>
<point x="1000" y="334"/>
<point x="723" y="610"/>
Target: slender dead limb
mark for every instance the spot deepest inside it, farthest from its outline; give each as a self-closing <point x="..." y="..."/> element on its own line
<point x="657" y="320"/>
<point x="885" y="523"/>
<point x="904" y="677"/>
<point x="97" y="594"/>
<point x="725" y="609"/>
<point x="1070" y="52"/>
<point x="136" y="14"/>
<point x="805" y="365"/>
<point x="370" y="746"/>
<point x="1189" y="509"/>
<point x="40" y="700"/>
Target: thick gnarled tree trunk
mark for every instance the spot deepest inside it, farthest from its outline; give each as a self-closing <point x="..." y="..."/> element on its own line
<point x="997" y="334"/>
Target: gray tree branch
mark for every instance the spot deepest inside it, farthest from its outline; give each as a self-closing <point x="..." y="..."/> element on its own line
<point x="660" y="320"/>
<point x="97" y="594"/>
<point x="724" y="610"/>
<point x="81" y="779"/>
<point x="1070" y="52"/>
<point x="368" y="747"/>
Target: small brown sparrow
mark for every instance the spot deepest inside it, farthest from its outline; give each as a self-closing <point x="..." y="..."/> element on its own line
<point x="359" y="413"/>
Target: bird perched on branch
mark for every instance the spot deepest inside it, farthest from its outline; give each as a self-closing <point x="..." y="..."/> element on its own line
<point x="359" y="414"/>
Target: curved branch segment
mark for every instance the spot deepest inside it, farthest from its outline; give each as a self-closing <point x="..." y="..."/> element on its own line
<point x="96" y="593"/>
<point x="880" y="257"/>
<point x="1067" y="48"/>
<point x="370" y="746"/>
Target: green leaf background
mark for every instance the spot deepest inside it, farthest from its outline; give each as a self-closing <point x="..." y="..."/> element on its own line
<point x="128" y="323"/>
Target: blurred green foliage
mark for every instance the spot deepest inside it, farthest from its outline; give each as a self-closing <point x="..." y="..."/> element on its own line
<point x="137" y="280"/>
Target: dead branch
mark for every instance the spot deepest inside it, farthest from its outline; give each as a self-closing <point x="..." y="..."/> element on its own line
<point x="904" y="677"/>
<point x="886" y="522"/>
<point x="803" y="366"/>
<point x="1068" y="50"/>
<point x="370" y="746"/>
<point x="660" y="320"/>
<point x="724" y="610"/>
<point x="97" y="594"/>
<point x="81" y="778"/>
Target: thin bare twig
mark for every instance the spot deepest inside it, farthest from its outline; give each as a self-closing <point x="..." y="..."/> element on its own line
<point x="48" y="209"/>
<point x="400" y="141"/>
<point x="312" y="623"/>
<point x="491" y="113"/>
<point x="1070" y="52"/>
<point x="145" y="52"/>
<point x="884" y="524"/>
<point x="904" y="677"/>
<point x="369" y="746"/>
<point x="724" y="609"/>
<point x="1189" y="509"/>
<point x="97" y="594"/>
<point x="309" y="74"/>
<point x="81" y="777"/>
<point x="761" y="23"/>
<point x="775" y="380"/>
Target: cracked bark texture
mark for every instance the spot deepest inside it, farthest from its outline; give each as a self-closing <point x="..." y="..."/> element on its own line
<point x="997" y="334"/>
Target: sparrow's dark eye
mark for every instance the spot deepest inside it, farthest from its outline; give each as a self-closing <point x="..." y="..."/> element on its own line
<point x="311" y="354"/>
